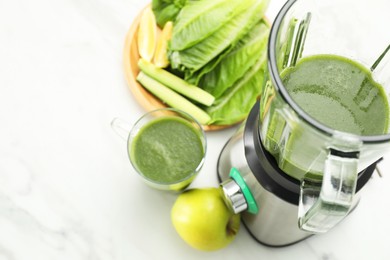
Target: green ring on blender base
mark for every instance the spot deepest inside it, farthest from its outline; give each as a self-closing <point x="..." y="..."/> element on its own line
<point x="250" y="200"/>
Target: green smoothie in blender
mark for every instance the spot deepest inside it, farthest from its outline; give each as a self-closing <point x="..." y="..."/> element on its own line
<point x="335" y="91"/>
<point x="338" y="93"/>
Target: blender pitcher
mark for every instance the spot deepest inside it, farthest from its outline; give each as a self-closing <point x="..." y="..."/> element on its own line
<point x="304" y="129"/>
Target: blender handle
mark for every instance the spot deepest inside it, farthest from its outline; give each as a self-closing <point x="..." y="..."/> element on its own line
<point x="323" y="204"/>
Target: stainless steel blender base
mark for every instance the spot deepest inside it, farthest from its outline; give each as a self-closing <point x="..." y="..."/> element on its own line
<point x="276" y="194"/>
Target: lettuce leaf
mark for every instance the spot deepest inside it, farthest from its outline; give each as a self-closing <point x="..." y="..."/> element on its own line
<point x="197" y="56"/>
<point x="239" y="61"/>
<point x="167" y="10"/>
<point x="200" y="19"/>
<point x="234" y="105"/>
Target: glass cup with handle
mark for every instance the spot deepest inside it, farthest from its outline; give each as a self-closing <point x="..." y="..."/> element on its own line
<point x="166" y="147"/>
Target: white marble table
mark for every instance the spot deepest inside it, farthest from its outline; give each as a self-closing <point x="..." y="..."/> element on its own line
<point x="66" y="187"/>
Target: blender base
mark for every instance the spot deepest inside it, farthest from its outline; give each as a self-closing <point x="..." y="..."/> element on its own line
<point x="276" y="193"/>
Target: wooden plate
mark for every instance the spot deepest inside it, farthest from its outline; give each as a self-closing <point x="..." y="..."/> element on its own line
<point x="131" y="57"/>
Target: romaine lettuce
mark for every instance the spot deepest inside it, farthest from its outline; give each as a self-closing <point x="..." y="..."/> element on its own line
<point x="219" y="45"/>
<point x="197" y="56"/>
<point x="239" y="60"/>
<point x="193" y="26"/>
<point x="166" y="10"/>
<point x="234" y="105"/>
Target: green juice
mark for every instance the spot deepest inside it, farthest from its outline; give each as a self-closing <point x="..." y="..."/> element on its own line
<point x="167" y="150"/>
<point x="338" y="93"/>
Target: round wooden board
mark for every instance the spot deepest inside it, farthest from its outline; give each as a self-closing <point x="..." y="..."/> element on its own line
<point x="143" y="97"/>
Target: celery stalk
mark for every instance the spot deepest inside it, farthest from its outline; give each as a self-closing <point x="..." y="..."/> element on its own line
<point x="172" y="98"/>
<point x="177" y="84"/>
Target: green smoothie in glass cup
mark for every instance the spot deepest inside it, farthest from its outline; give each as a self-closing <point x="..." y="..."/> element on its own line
<point x="166" y="147"/>
<point x="168" y="151"/>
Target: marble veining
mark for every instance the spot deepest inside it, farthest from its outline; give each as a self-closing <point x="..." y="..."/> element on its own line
<point x="41" y="219"/>
<point x="67" y="190"/>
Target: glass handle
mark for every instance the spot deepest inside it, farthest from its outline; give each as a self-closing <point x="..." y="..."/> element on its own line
<point x="121" y="127"/>
<point x="324" y="203"/>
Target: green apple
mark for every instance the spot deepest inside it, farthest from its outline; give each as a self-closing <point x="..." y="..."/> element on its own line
<point x="202" y="219"/>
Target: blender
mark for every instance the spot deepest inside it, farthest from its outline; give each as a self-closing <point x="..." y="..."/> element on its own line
<point x="288" y="172"/>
